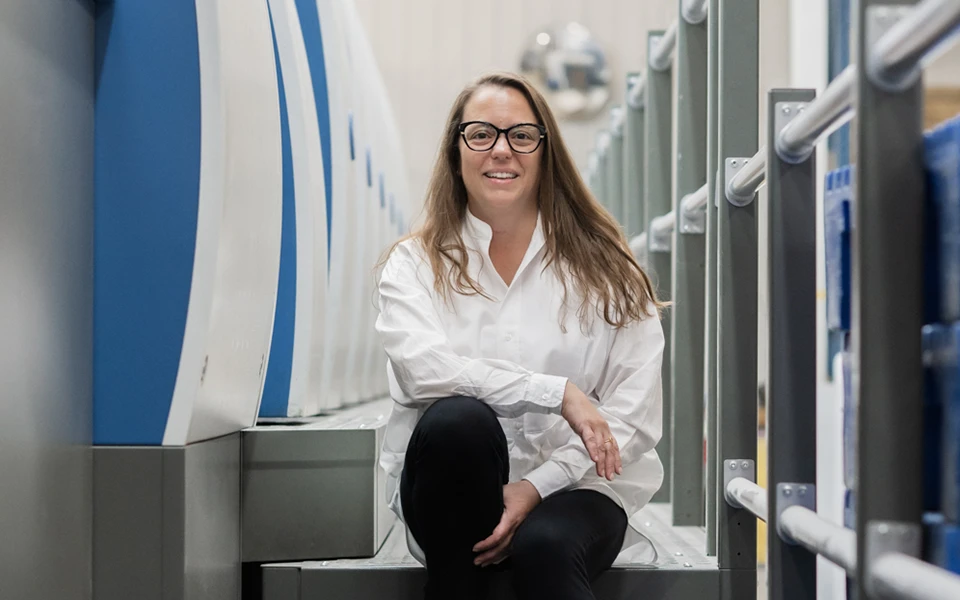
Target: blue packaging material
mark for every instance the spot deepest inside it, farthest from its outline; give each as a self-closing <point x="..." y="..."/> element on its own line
<point x="849" y="424"/>
<point x="850" y="509"/>
<point x="948" y="381"/>
<point x="838" y="202"/>
<point x="937" y="348"/>
<point x="942" y="545"/>
<point x="942" y="223"/>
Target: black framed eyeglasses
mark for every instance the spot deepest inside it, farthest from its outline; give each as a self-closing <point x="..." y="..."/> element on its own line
<point x="523" y="138"/>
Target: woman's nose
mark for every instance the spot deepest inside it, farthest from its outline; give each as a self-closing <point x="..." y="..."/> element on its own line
<point x="502" y="147"/>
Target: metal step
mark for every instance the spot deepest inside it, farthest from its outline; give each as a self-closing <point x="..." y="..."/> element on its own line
<point x="677" y="570"/>
<point x="312" y="488"/>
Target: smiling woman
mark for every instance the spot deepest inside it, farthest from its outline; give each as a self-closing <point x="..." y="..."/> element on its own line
<point x="552" y="414"/>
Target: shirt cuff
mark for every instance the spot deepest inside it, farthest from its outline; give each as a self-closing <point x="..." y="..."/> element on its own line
<point x="547" y="391"/>
<point x="549" y="478"/>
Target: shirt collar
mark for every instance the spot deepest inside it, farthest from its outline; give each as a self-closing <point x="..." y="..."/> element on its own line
<point x="479" y="232"/>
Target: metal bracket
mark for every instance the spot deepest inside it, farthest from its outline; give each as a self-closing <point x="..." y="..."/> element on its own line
<point x="693" y="222"/>
<point x="790" y="495"/>
<point x="660" y="241"/>
<point x="731" y="167"/>
<point x="884" y="537"/>
<point x="784" y="113"/>
<point x="635" y="97"/>
<point x="880" y="19"/>
<point x="652" y="42"/>
<point x="617" y="117"/>
<point x="738" y="467"/>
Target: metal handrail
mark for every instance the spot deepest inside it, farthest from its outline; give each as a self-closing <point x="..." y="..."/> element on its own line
<point x="830" y="110"/>
<point x="694" y="202"/>
<point x="617" y="119"/>
<point x="896" y="576"/>
<point x="743" y="493"/>
<point x="894" y="61"/>
<point x="749" y="178"/>
<point x="635" y="96"/>
<point x="660" y="231"/>
<point x="694" y="11"/>
<point x="836" y="544"/>
<point x="662" y="55"/>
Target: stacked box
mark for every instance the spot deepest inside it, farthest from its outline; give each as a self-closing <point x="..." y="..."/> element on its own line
<point x="838" y="199"/>
<point x="937" y="349"/>
<point x="942" y="248"/>
<point x="941" y="340"/>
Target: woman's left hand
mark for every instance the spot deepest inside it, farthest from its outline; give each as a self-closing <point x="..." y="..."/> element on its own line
<point x="518" y="500"/>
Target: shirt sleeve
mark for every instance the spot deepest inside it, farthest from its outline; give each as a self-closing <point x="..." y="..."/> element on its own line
<point x="630" y="396"/>
<point x="426" y="367"/>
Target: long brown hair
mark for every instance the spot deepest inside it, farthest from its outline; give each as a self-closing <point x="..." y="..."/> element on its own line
<point x="581" y="237"/>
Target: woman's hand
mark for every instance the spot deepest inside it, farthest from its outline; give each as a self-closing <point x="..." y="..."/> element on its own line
<point x="593" y="429"/>
<point x="518" y="500"/>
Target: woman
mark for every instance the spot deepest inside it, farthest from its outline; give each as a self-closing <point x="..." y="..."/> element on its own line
<point x="524" y="348"/>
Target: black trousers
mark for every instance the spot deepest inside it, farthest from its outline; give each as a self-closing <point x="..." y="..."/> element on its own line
<point x="452" y="495"/>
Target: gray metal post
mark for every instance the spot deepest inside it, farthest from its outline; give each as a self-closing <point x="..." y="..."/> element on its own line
<point x="603" y="153"/>
<point x="633" y="146"/>
<point x="887" y="309"/>
<point x="615" y="174"/>
<point x="710" y="291"/>
<point x="657" y="194"/>
<point x="792" y="333"/>
<point x="689" y="271"/>
<point x="737" y="283"/>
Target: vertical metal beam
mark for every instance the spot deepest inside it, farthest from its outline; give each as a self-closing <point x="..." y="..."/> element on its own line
<point x="603" y="152"/>
<point x="633" y="152"/>
<point x="737" y="273"/>
<point x="689" y="271"/>
<point x="710" y="291"/>
<point x="792" y="347"/>
<point x="656" y="179"/>
<point x="615" y="170"/>
<point x="887" y="295"/>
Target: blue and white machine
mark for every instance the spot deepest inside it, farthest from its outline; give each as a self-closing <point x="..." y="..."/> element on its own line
<point x="248" y="177"/>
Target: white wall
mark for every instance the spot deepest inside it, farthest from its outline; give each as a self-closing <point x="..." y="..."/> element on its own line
<point x="428" y="50"/>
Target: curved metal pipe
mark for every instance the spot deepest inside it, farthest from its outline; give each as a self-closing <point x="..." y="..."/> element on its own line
<point x="694" y="11"/>
<point x="745" y="183"/>
<point x="661" y="56"/>
<point x="831" y="109"/>
<point x="894" y="62"/>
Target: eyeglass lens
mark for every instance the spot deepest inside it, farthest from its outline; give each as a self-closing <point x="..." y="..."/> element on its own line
<point x="482" y="136"/>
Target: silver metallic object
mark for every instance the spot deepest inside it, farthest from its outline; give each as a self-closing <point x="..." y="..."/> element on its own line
<point x="570" y="68"/>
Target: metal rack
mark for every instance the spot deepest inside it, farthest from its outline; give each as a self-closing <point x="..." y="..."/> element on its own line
<point x="704" y="255"/>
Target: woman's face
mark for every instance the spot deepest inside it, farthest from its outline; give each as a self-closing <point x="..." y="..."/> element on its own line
<point x="499" y="179"/>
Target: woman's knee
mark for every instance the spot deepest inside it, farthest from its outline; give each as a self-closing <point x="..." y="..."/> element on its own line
<point x="543" y="547"/>
<point x="459" y="421"/>
<point x="458" y="417"/>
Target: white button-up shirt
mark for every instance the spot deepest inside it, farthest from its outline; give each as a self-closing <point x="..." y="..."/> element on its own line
<point x="511" y="353"/>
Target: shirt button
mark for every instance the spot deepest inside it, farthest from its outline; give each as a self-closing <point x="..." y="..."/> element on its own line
<point x="509" y="337"/>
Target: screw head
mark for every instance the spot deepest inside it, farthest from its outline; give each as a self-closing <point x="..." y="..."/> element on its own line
<point x="745" y="465"/>
<point x="647" y="524"/>
<point x="786" y="110"/>
<point x="788" y="491"/>
<point x="687" y="565"/>
<point x="678" y="553"/>
<point x="802" y="490"/>
<point x="733" y="466"/>
<point x="733" y="163"/>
